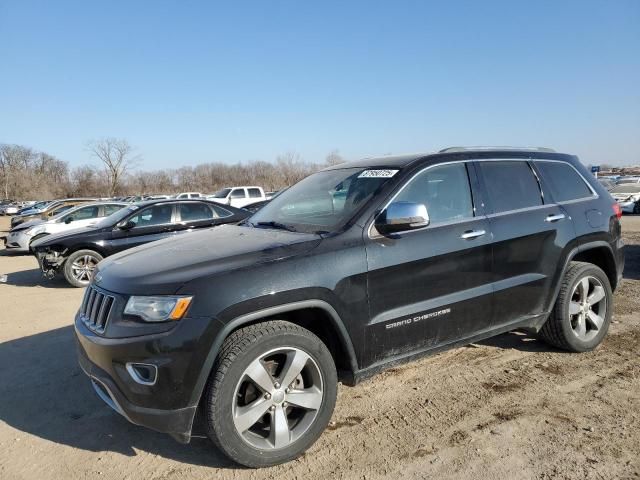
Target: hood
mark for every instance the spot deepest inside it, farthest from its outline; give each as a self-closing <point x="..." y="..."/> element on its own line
<point x="28" y="224"/>
<point x="56" y="238"/>
<point x="162" y="267"/>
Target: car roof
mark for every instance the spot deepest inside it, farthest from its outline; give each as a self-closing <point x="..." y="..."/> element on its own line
<point x="452" y="154"/>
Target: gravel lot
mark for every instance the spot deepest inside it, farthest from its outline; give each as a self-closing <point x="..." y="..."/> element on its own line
<point x="510" y="407"/>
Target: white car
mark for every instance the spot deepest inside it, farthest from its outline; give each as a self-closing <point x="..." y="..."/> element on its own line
<point x="20" y="237"/>
<point x="238" y="196"/>
<point x="628" y="197"/>
<point x="10" y="209"/>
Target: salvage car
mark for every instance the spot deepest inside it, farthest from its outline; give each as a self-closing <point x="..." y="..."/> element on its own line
<point x="75" y="254"/>
<point x="354" y="269"/>
<point x="20" y="237"/>
<point x="628" y="197"/>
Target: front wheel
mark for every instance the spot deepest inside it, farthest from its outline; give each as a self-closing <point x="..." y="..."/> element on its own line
<point x="79" y="267"/>
<point x="582" y="313"/>
<point x="271" y="393"/>
<point x="636" y="208"/>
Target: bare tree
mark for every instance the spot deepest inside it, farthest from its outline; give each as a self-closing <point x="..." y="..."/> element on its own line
<point x="117" y="156"/>
<point x="334" y="158"/>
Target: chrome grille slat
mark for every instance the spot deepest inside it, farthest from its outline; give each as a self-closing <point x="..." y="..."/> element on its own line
<point x="83" y="307"/>
<point x="95" y="309"/>
<point x="92" y="296"/>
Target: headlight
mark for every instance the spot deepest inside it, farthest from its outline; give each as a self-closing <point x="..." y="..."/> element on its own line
<point x="158" y="309"/>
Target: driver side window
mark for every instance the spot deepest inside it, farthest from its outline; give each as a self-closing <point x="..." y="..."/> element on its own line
<point x="444" y="190"/>
<point x="155" y="215"/>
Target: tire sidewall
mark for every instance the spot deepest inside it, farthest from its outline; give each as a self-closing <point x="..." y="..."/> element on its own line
<point x="68" y="274"/>
<point x="221" y="400"/>
<point x="573" y="341"/>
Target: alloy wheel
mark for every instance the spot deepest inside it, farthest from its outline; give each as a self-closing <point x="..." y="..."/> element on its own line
<point x="588" y="308"/>
<point x="83" y="268"/>
<point x="277" y="398"/>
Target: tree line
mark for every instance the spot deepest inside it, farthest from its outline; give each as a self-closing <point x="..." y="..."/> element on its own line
<point x="27" y="174"/>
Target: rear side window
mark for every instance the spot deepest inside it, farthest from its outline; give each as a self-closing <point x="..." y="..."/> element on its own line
<point x="563" y="181"/>
<point x="510" y="185"/>
<point x="192" y="212"/>
<point x="444" y="190"/>
<point x="254" y="193"/>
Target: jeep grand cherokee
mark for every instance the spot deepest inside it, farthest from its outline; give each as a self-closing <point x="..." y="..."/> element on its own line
<point x="355" y="268"/>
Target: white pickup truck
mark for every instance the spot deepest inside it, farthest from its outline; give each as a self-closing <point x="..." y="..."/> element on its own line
<point x="238" y="196"/>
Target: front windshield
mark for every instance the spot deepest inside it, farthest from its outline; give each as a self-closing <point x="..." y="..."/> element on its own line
<point x="322" y="202"/>
<point x="222" y="193"/>
<point x="115" y="217"/>
<point x="628" y="188"/>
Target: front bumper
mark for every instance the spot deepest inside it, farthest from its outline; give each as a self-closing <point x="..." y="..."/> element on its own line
<point x="165" y="406"/>
<point x="18" y="241"/>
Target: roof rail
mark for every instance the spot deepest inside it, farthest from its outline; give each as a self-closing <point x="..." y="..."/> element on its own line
<point x="466" y="149"/>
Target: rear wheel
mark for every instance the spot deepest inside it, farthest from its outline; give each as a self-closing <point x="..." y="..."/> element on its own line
<point x="636" y="208"/>
<point x="271" y="393"/>
<point x="582" y="313"/>
<point x="79" y="267"/>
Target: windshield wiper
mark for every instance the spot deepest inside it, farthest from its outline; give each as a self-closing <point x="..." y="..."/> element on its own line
<point x="278" y="225"/>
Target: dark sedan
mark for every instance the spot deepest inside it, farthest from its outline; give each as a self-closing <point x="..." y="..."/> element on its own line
<point x="75" y="254"/>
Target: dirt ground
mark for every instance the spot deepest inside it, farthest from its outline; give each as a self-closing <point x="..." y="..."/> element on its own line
<point x="507" y="408"/>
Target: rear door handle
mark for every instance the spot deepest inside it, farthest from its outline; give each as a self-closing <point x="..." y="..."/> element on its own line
<point x="472" y="234"/>
<point x="554" y="218"/>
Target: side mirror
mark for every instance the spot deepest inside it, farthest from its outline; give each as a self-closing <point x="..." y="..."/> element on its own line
<point x="126" y="225"/>
<point x="400" y="216"/>
<point x="68" y="220"/>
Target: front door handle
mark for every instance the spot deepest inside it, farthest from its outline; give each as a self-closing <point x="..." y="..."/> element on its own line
<point x="468" y="235"/>
<point x="554" y="218"/>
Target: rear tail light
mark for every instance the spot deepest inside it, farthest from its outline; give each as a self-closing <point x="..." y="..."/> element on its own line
<point x="617" y="210"/>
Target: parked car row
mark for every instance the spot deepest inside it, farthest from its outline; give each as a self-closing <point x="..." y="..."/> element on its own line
<point x="626" y="191"/>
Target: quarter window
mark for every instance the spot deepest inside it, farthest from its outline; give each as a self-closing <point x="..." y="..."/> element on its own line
<point x="563" y="181"/>
<point x="444" y="190"/>
<point x="510" y="185"/>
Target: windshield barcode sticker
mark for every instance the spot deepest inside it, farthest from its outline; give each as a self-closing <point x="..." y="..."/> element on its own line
<point x="378" y="174"/>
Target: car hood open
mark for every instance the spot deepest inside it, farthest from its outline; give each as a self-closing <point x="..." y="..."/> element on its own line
<point x="162" y="267"/>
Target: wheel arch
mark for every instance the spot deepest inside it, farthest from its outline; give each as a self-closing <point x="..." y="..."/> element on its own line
<point x="598" y="253"/>
<point x="317" y="316"/>
<point x="601" y="255"/>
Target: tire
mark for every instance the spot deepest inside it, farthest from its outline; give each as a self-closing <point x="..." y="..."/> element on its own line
<point x="572" y="325"/>
<point x="636" y="208"/>
<point x="268" y="348"/>
<point x="75" y="261"/>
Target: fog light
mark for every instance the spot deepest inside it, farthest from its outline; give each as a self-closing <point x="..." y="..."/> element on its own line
<point x="143" y="373"/>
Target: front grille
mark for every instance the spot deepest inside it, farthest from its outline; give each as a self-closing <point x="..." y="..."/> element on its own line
<point x="95" y="309"/>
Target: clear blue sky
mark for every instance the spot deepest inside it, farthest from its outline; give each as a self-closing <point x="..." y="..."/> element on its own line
<point x="191" y="82"/>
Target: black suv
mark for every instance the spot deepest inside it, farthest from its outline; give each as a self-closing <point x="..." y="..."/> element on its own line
<point x="353" y="269"/>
